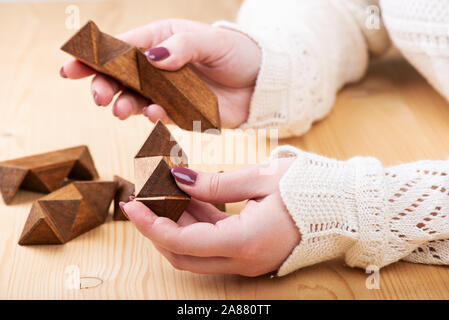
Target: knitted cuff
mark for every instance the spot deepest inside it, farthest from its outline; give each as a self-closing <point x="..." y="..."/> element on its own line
<point x="335" y="206"/>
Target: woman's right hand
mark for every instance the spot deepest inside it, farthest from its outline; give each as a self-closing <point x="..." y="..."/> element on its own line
<point x="226" y="60"/>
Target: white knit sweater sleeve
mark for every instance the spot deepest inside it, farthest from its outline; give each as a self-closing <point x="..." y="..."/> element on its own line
<point x="310" y="49"/>
<point x="420" y="29"/>
<point x="369" y="214"/>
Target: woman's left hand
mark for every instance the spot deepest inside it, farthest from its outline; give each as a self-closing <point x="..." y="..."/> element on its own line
<point x="206" y="240"/>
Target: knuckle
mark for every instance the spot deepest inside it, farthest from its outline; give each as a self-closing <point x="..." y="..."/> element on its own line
<point x="214" y="186"/>
<point x="251" y="250"/>
<point x="176" y="262"/>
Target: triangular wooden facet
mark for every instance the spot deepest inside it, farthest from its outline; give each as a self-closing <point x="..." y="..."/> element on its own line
<point x="161" y="183"/>
<point x="125" y="63"/>
<point x="62" y="214"/>
<point x="160" y="142"/>
<point x="33" y="183"/>
<point x="85" y="220"/>
<point x="110" y="48"/>
<point x="37" y="230"/>
<point x="98" y="196"/>
<point x="68" y="192"/>
<point x="84" y="43"/>
<point x="10" y="180"/>
<point x="183" y="105"/>
<point x="143" y="169"/>
<point x="202" y="100"/>
<point x="84" y="168"/>
<point x="169" y="207"/>
<point x="54" y="176"/>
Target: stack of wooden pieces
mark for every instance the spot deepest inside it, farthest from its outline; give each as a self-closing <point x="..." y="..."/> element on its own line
<point x="155" y="185"/>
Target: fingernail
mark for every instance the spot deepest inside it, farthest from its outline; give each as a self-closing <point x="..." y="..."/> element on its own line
<point x="62" y="73"/>
<point x="184" y="175"/>
<point x="157" y="54"/>
<point x="131" y="198"/>
<point x="97" y="102"/>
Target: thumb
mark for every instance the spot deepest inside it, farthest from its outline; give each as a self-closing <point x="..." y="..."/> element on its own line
<point x="223" y="187"/>
<point x="186" y="47"/>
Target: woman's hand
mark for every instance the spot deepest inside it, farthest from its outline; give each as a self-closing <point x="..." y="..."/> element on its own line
<point x="207" y="240"/>
<point x="227" y="61"/>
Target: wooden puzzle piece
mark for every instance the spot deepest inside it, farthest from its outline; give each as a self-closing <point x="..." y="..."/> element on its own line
<point x="45" y="172"/>
<point x="167" y="206"/>
<point x="155" y="185"/>
<point x="68" y="212"/>
<point x="181" y="93"/>
<point x="124" y="190"/>
<point x="220" y="206"/>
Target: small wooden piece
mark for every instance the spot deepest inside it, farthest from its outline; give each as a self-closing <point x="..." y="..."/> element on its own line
<point x="181" y="93"/>
<point x="68" y="212"/>
<point x="155" y="185"/>
<point x="220" y="206"/>
<point x="45" y="172"/>
<point x="124" y="190"/>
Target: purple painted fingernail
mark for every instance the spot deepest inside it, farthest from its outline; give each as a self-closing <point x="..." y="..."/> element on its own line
<point x="184" y="175"/>
<point x="96" y="99"/>
<point x="62" y="73"/>
<point x="157" y="54"/>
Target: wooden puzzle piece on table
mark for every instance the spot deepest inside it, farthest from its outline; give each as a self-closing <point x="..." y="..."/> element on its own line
<point x="181" y="93"/>
<point x="124" y="190"/>
<point x="45" y="172"/>
<point x="154" y="183"/>
<point x="68" y="212"/>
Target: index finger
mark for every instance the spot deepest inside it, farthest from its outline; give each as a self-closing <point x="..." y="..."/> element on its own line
<point x="75" y="69"/>
<point x="198" y="239"/>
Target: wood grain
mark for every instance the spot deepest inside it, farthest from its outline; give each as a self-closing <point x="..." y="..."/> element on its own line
<point x="393" y="114"/>
<point x="182" y="93"/>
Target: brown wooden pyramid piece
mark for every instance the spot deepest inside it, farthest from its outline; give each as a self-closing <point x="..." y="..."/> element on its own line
<point x="182" y="94"/>
<point x="155" y="185"/>
<point x="124" y="190"/>
<point x="167" y="206"/>
<point x="45" y="172"/>
<point x="68" y="212"/>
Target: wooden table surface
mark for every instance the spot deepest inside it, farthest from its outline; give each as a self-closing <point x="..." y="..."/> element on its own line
<point x="393" y="114"/>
